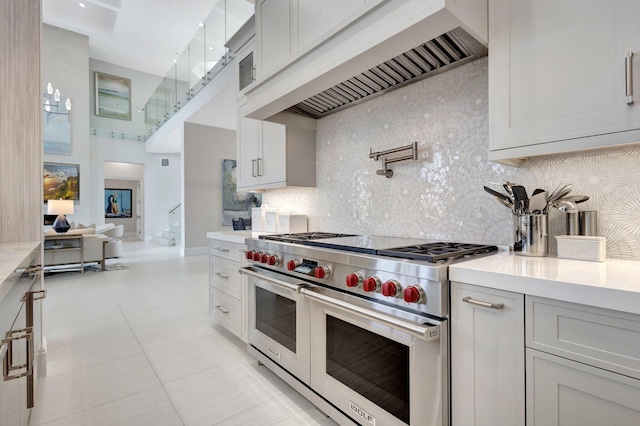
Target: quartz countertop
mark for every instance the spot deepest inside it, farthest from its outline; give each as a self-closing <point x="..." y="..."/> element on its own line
<point x="612" y="284"/>
<point x="12" y="257"/>
<point x="233" y="236"/>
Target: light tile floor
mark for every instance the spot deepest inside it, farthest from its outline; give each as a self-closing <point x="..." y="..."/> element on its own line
<point x="135" y="347"/>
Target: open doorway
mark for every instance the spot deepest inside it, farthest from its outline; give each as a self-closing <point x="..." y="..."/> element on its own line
<point x="123" y="197"/>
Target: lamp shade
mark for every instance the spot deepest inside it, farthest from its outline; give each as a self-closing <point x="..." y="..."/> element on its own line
<point x="60" y="207"/>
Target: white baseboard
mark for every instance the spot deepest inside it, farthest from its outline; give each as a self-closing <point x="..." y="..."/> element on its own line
<point x="194" y="251"/>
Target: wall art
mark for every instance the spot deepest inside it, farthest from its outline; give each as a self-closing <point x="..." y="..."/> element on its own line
<point x="61" y="181"/>
<point x="118" y="203"/>
<point x="113" y="96"/>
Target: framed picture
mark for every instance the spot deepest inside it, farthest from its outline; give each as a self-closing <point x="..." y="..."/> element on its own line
<point x="61" y="181"/>
<point x="117" y="203"/>
<point x="158" y="105"/>
<point x="235" y="204"/>
<point x="56" y="131"/>
<point x="113" y="96"/>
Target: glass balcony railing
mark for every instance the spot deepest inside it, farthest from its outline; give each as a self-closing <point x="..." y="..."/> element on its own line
<point x="199" y="63"/>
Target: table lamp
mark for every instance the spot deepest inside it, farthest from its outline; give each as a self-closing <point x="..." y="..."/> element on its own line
<point x="61" y="208"/>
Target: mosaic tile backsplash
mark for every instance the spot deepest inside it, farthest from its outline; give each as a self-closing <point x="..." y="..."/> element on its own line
<point x="441" y="196"/>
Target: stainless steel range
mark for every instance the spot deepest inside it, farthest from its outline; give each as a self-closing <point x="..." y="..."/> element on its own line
<point x="357" y="324"/>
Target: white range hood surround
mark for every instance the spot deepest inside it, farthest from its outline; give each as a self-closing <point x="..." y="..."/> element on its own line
<point x="386" y="31"/>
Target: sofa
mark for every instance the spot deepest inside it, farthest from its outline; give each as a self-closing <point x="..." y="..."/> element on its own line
<point x="99" y="243"/>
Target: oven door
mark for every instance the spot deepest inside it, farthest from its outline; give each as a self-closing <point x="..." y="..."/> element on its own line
<point x="377" y="364"/>
<point x="278" y="320"/>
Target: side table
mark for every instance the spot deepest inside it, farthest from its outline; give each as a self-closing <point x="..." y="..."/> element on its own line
<point x="62" y="242"/>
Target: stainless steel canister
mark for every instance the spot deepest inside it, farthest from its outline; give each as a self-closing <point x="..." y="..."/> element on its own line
<point x="589" y="223"/>
<point x="573" y="223"/>
<point x="531" y="236"/>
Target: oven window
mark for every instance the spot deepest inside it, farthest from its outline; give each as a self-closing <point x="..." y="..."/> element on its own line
<point x="276" y="317"/>
<point x="371" y="365"/>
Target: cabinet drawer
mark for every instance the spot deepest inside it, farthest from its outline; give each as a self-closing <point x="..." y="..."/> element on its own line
<point x="561" y="392"/>
<point x="595" y="336"/>
<point x="226" y="250"/>
<point x="224" y="276"/>
<point x="225" y="310"/>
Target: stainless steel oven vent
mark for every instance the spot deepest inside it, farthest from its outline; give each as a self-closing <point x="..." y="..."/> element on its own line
<point x="440" y="54"/>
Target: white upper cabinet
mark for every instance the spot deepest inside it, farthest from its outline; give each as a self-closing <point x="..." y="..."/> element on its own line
<point x="558" y="77"/>
<point x="273" y="30"/>
<point x="274" y="155"/>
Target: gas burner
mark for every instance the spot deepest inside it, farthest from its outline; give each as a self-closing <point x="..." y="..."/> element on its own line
<point x="302" y="236"/>
<point x="439" y="251"/>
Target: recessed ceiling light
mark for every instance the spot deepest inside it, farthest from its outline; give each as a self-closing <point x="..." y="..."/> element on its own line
<point x="175" y="61"/>
<point x="81" y="4"/>
<point x="200" y="24"/>
<point x="210" y="47"/>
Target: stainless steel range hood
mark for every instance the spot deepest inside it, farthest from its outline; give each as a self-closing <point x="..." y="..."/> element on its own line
<point x="449" y="50"/>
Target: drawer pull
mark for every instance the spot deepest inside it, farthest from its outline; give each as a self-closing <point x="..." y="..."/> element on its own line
<point x="226" y="277"/>
<point x="483" y="304"/>
<point x="221" y="309"/>
<point x="222" y="249"/>
<point x="628" y="61"/>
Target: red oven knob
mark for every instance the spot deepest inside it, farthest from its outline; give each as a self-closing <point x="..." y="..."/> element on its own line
<point x="273" y="260"/>
<point x="322" y="272"/>
<point x="371" y="284"/>
<point x="391" y="288"/>
<point x="292" y="264"/>
<point x="256" y="256"/>
<point x="249" y="255"/>
<point x="354" y="280"/>
<point x="264" y="258"/>
<point x="414" y="294"/>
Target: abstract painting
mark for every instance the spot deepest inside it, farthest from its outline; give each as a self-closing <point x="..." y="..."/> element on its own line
<point x="113" y="96"/>
<point x="235" y="204"/>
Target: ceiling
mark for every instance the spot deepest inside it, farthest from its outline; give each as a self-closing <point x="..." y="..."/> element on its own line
<point x="145" y="35"/>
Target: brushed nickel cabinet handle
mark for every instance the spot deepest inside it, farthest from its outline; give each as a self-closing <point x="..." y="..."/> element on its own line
<point x="628" y="61"/>
<point x="253" y="168"/>
<point x="221" y="309"/>
<point x="259" y="166"/>
<point x="483" y="304"/>
<point x="226" y="277"/>
<point x="222" y="249"/>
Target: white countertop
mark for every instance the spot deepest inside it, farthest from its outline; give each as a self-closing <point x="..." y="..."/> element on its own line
<point x="233" y="236"/>
<point x="12" y="256"/>
<point x="613" y="284"/>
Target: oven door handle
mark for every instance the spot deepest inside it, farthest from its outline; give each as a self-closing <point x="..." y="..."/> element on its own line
<point x="427" y="332"/>
<point x="280" y="283"/>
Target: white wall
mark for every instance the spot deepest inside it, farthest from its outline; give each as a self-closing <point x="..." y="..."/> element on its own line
<point x="203" y="151"/>
<point x="65" y="60"/>
<point x="162" y="185"/>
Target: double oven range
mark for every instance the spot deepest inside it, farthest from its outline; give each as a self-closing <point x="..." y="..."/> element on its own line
<point x="357" y="324"/>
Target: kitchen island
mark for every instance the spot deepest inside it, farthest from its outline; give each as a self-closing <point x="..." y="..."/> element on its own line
<point x="545" y="341"/>
<point x="14" y="256"/>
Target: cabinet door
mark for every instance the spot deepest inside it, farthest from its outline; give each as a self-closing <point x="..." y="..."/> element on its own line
<point x="249" y="141"/>
<point x="487" y="357"/>
<point x="557" y="80"/>
<point x="569" y="393"/>
<point x="272" y="164"/>
<point x="273" y="31"/>
<point x="245" y="69"/>
<point x="317" y="18"/>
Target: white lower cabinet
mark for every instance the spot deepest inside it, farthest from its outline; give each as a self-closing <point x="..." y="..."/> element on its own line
<point x="569" y="393"/>
<point x="227" y="287"/>
<point x="583" y="365"/>
<point x="487" y="357"/>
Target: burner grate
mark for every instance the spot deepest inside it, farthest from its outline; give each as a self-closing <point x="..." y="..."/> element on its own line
<point x="302" y="236"/>
<point x="440" y="251"/>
